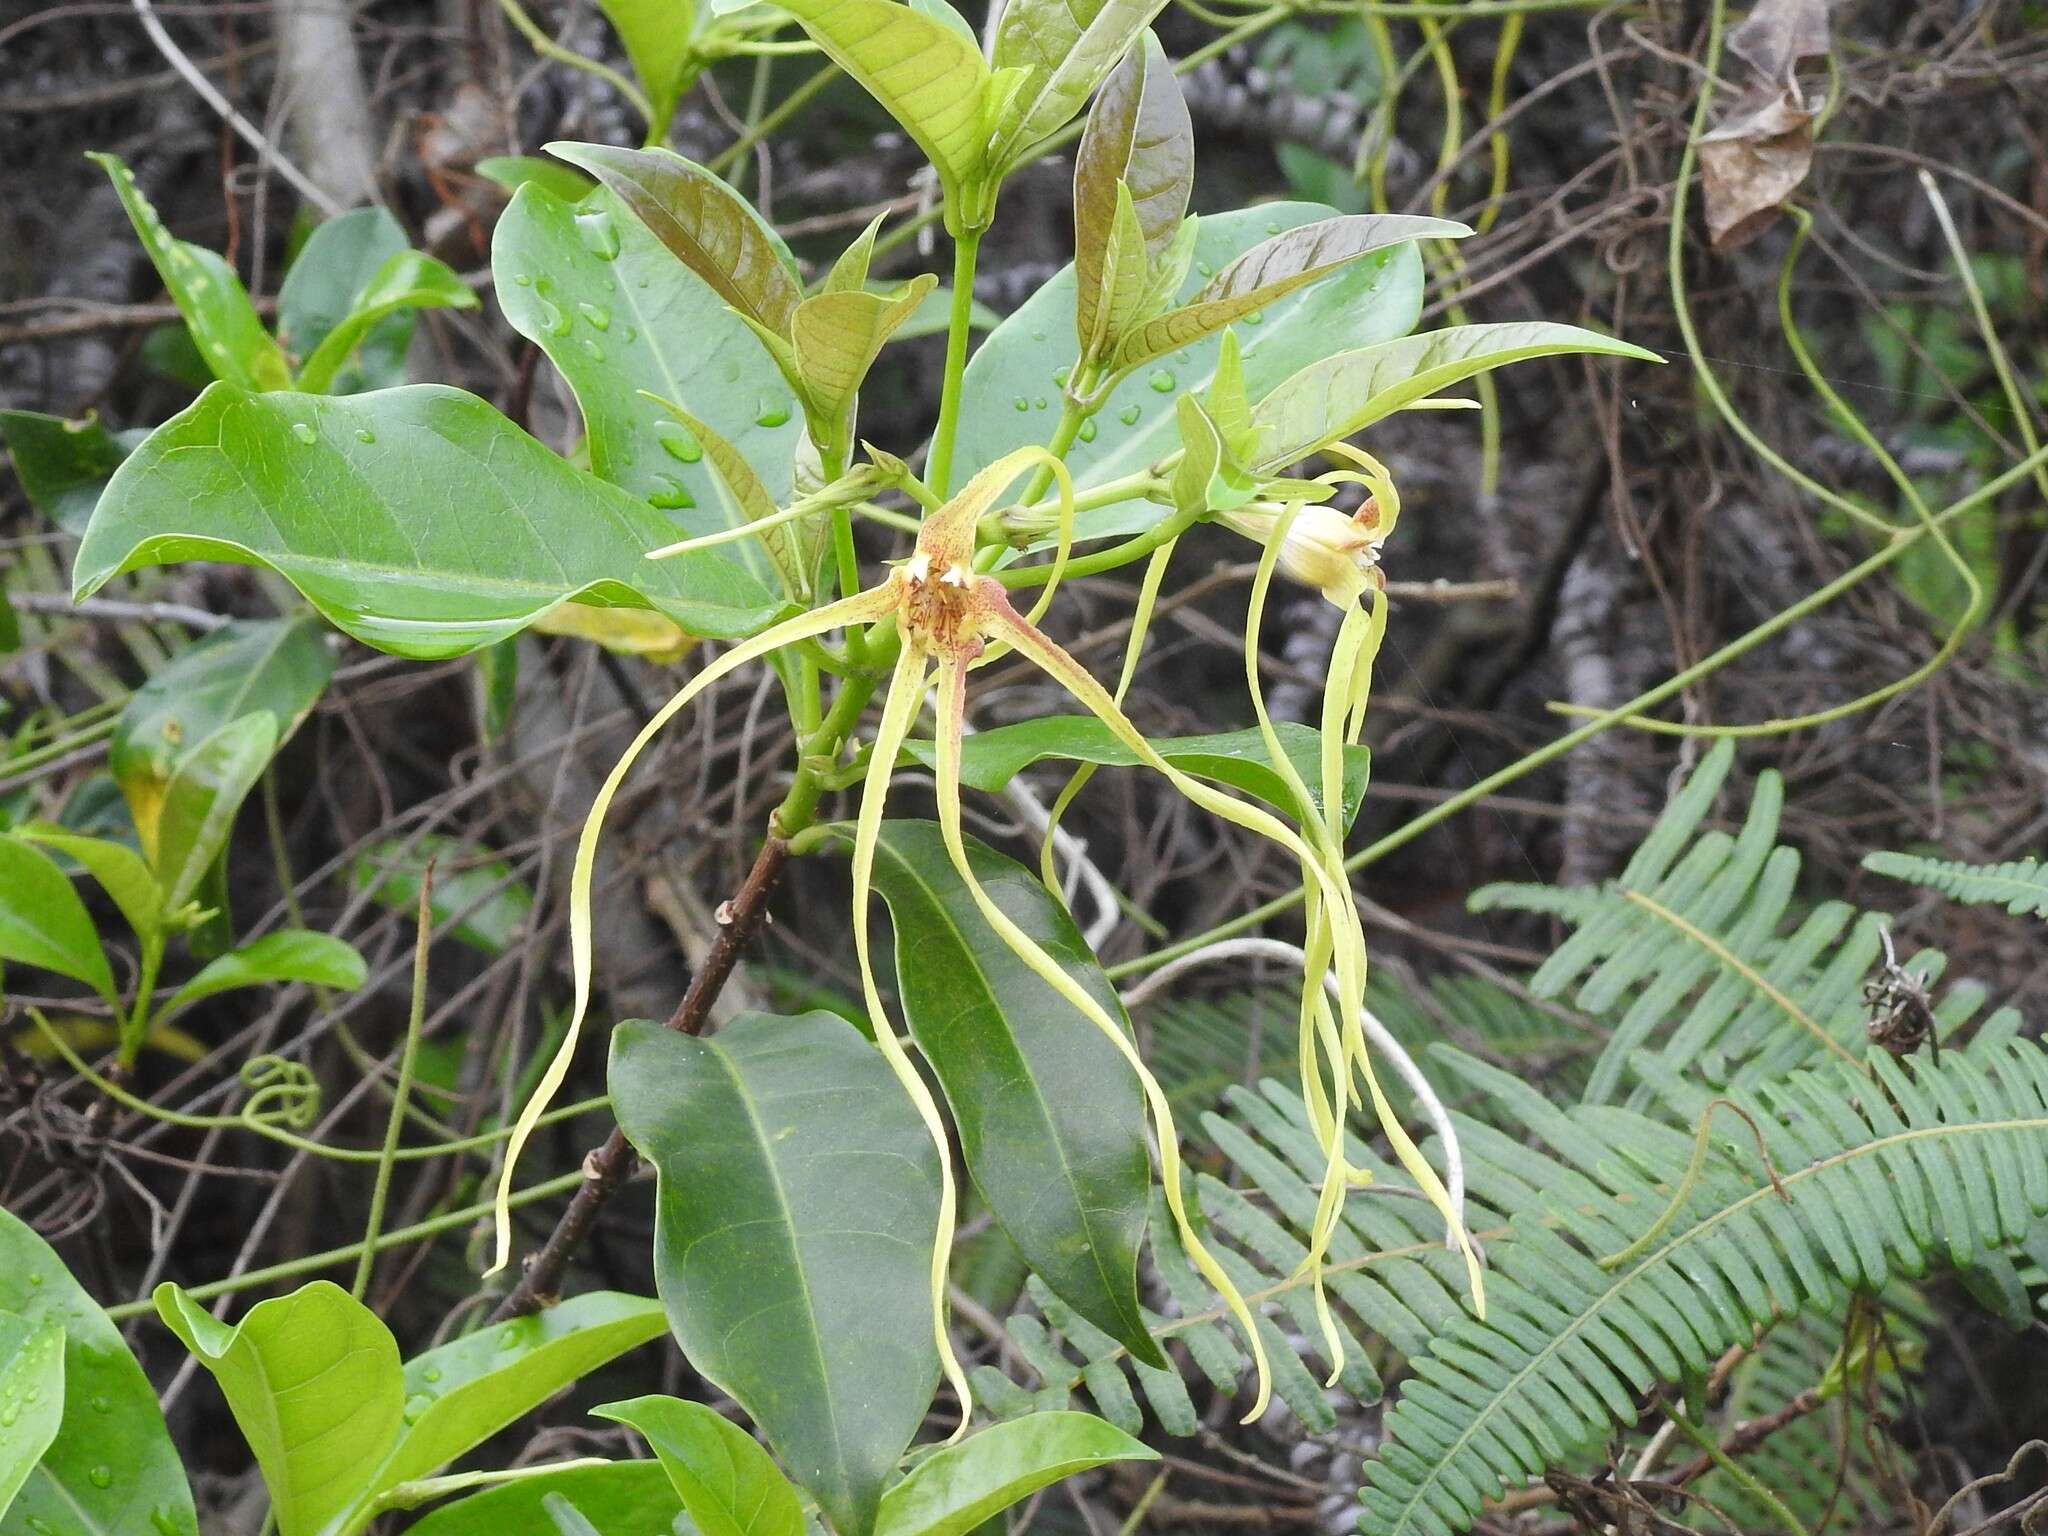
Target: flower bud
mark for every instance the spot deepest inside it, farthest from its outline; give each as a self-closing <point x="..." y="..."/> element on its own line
<point x="1322" y="548"/>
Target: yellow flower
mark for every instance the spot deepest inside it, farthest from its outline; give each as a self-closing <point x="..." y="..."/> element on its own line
<point x="1320" y="547"/>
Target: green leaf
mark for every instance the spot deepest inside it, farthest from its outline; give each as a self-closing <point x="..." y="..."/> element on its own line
<point x="1237" y="759"/>
<point x="621" y="1498"/>
<point x="291" y="954"/>
<point x="201" y="800"/>
<point x="275" y="666"/>
<point x="313" y="1380"/>
<point x="560" y="270"/>
<point x="459" y="1395"/>
<point x="935" y="314"/>
<point x="726" y="1481"/>
<point x="925" y="73"/>
<point x="1273" y="269"/>
<point x="794" y="1220"/>
<point x="1208" y="477"/>
<point x="792" y="549"/>
<point x="493" y="903"/>
<point x="658" y="36"/>
<point x="408" y="280"/>
<point x="119" y="870"/>
<point x="515" y="171"/>
<point x="1140" y="145"/>
<point x="112" y="1470"/>
<point x="419" y="520"/>
<point x="1051" y="1119"/>
<point x="838" y="336"/>
<point x="1347" y="392"/>
<point x="338" y="261"/>
<point x="709" y="227"/>
<point x="64" y="465"/>
<point x="44" y="924"/>
<point x="32" y="1387"/>
<point x="1030" y="355"/>
<point x="1064" y="49"/>
<point x="207" y="292"/>
<point x="954" y="1490"/>
<point x="2020" y="886"/>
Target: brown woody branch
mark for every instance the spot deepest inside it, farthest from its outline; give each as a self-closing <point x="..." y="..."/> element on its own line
<point x="609" y="1166"/>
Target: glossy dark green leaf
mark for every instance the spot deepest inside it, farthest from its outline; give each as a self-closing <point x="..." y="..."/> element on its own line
<point x="709" y="227"/>
<point x="313" y="1381"/>
<point x="1347" y="392"/>
<point x="658" y="36"/>
<point x="32" y="1388"/>
<point x="291" y="954"/>
<point x="483" y="898"/>
<point x="726" y="1481"/>
<point x="1271" y="270"/>
<point x="1064" y="48"/>
<point x="200" y="802"/>
<point x="409" y="280"/>
<point x="1027" y="359"/>
<point x="207" y="292"/>
<point x="923" y="71"/>
<point x="112" y="1470"/>
<point x="120" y="871"/>
<point x="618" y="314"/>
<point x="42" y="921"/>
<point x="458" y="1395"/>
<point x="276" y="666"/>
<point x="620" y="1498"/>
<point x="1236" y="759"/>
<point x="794" y="1220"/>
<point x="951" y="1492"/>
<point x="1051" y="1117"/>
<point x="64" y="465"/>
<point x="514" y="171"/>
<point x="419" y="520"/>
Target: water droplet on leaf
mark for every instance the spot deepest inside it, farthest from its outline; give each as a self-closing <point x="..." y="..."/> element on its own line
<point x="523" y="279"/>
<point x="772" y="416"/>
<point x="596" y="315"/>
<point x="365" y="435"/>
<point x="668" y="494"/>
<point x="1161" y="381"/>
<point x="600" y="235"/>
<point x="678" y="443"/>
<point x="1087" y="432"/>
<point x="101" y="1477"/>
<point x="1129" y="415"/>
<point x="304" y="433"/>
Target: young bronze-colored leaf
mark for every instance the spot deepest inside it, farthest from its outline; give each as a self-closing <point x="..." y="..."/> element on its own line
<point x="1111" y="299"/>
<point x="1138" y="133"/>
<point x="839" y="335"/>
<point x="795" y="1214"/>
<point x="1271" y="270"/>
<point x="1064" y="48"/>
<point x="925" y="74"/>
<point x="208" y="294"/>
<point x="711" y="228"/>
<point x="419" y="520"/>
<point x="1344" y="394"/>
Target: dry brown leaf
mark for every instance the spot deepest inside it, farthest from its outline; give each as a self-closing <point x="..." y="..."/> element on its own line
<point x="1753" y="161"/>
<point x="1777" y="34"/>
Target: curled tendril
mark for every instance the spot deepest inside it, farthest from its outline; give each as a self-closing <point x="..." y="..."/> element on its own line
<point x="282" y="1093"/>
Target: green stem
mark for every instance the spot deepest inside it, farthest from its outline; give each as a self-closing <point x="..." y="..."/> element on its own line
<point x="1736" y="1472"/>
<point x="939" y="473"/>
<point x="310" y="1263"/>
<point x="548" y="48"/>
<point x="415" y="1021"/>
<point x="787" y="108"/>
<point x="136" y="1030"/>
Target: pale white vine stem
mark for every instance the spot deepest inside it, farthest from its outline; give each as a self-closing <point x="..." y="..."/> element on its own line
<point x="1425" y="1096"/>
<point x="189" y="72"/>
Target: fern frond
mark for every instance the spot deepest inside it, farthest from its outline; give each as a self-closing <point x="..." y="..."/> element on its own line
<point x="1696" y="942"/>
<point x="2021" y="886"/>
<point x="1198" y="1046"/>
<point x="1876" y="1174"/>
